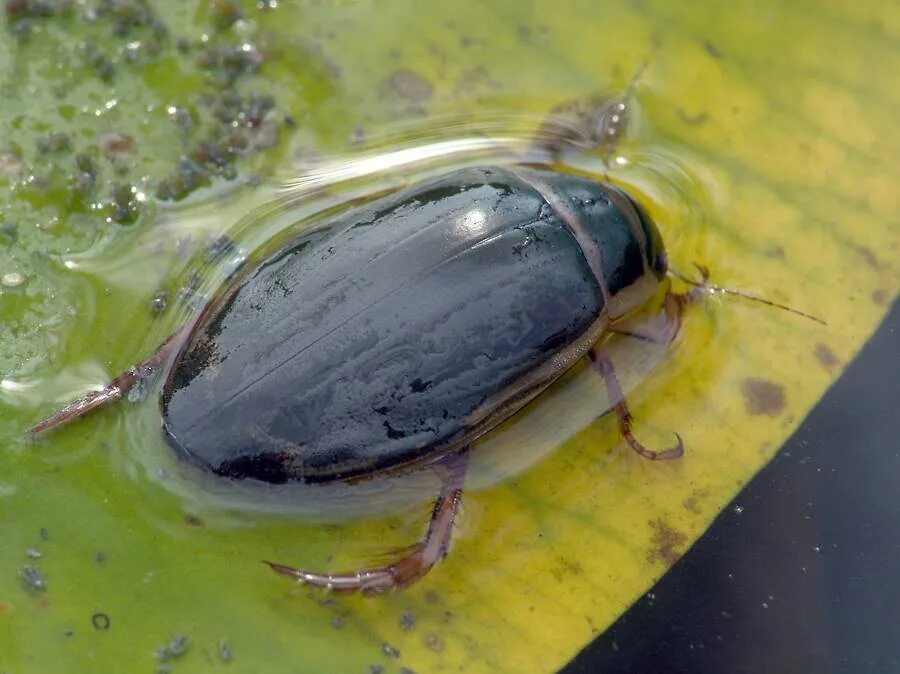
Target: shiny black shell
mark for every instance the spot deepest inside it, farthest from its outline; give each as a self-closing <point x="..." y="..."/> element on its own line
<point x="406" y="328"/>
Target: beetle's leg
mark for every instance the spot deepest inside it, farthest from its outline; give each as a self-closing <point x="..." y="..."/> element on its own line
<point x="113" y="390"/>
<point x="604" y="366"/>
<point x="660" y="328"/>
<point x="419" y="559"/>
<point x="663" y="327"/>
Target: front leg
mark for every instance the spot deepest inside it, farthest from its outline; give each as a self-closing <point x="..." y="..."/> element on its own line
<point x="660" y="328"/>
<point x="418" y="560"/>
<point x="663" y="326"/>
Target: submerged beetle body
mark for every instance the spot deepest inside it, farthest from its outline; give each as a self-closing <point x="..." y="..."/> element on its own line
<point x="407" y="328"/>
<point x="395" y="336"/>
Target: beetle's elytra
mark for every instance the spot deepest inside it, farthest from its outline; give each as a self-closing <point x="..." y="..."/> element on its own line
<point x="395" y="336"/>
<point x="407" y="328"/>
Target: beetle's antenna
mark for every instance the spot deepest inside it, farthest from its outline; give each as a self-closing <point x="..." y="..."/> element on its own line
<point x="633" y="82"/>
<point x="705" y="286"/>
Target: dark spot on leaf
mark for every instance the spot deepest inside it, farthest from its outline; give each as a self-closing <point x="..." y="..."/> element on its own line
<point x="565" y="567"/>
<point x="879" y="297"/>
<point x="762" y="396"/>
<point x="712" y="49"/>
<point x="666" y="542"/>
<point x="869" y="256"/>
<point x="690" y="503"/>
<point x="826" y="356"/>
<point x="193" y="521"/>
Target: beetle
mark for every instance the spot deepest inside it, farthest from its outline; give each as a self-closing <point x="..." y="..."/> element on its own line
<point x="391" y="338"/>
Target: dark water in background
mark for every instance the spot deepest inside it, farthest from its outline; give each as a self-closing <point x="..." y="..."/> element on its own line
<point x="800" y="572"/>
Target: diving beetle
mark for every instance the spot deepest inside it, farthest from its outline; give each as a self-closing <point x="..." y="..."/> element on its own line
<point x="393" y="337"/>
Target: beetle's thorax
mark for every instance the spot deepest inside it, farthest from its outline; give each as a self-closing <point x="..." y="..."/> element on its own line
<point x="620" y="243"/>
